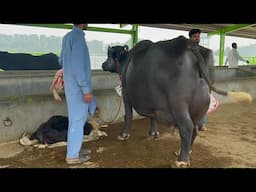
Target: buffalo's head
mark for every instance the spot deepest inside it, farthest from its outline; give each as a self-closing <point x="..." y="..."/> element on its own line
<point x="116" y="58"/>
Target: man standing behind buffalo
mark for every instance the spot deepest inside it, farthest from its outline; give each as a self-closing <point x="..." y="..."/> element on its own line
<point x="78" y="90"/>
<point x="194" y="35"/>
<point x="233" y="57"/>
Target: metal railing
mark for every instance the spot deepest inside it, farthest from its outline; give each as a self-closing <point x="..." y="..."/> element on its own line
<point x="252" y="60"/>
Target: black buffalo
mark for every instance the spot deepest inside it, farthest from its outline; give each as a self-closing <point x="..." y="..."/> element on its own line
<point x="24" y="61"/>
<point x="55" y="130"/>
<point x="167" y="81"/>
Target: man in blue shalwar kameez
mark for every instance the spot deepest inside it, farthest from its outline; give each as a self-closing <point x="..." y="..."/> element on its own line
<point x="78" y="90"/>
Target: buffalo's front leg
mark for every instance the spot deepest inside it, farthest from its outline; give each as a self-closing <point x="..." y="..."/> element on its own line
<point x="124" y="135"/>
<point x="153" y="132"/>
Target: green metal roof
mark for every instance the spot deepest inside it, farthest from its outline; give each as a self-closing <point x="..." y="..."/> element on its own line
<point x="238" y="30"/>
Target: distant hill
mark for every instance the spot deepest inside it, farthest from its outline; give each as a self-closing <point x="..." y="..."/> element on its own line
<point x="42" y="44"/>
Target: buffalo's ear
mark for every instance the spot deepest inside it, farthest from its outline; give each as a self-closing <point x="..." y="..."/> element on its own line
<point x="126" y="48"/>
<point x="109" y="49"/>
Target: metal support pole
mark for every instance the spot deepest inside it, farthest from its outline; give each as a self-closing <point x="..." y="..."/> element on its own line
<point x="222" y="44"/>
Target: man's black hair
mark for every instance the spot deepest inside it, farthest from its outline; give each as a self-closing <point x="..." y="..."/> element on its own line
<point x="234" y="45"/>
<point x="194" y="31"/>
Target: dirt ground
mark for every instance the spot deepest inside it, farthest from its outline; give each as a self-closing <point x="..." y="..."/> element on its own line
<point x="229" y="142"/>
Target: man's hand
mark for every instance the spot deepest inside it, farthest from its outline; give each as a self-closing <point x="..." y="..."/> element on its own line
<point x="87" y="97"/>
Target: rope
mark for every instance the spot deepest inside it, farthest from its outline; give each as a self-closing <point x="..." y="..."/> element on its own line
<point x="57" y="86"/>
<point x="115" y="116"/>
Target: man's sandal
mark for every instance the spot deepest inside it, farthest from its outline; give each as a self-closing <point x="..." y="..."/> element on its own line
<point x="81" y="159"/>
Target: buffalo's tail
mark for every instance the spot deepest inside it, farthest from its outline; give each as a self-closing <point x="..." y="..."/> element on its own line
<point x="241" y="96"/>
<point x="237" y="96"/>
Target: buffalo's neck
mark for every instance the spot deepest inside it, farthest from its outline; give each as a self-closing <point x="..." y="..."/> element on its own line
<point x="122" y="63"/>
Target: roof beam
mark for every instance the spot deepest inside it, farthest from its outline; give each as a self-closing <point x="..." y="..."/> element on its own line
<point x="224" y="30"/>
<point x="70" y="26"/>
<point x="230" y="29"/>
<point x="101" y="29"/>
<point x="57" y="26"/>
<point x="123" y="25"/>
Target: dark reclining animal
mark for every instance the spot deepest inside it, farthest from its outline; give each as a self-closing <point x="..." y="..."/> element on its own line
<point x="55" y="130"/>
<point x="24" y="61"/>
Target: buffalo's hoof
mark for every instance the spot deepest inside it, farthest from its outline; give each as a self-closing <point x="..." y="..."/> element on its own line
<point x="154" y="135"/>
<point x="203" y="128"/>
<point x="41" y="146"/>
<point x="177" y="153"/>
<point x="24" y="140"/>
<point x="94" y="124"/>
<point x="124" y="136"/>
<point x="173" y="130"/>
<point x="97" y="112"/>
<point x="182" y="164"/>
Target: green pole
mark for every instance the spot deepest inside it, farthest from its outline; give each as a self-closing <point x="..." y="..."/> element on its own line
<point x="134" y="34"/>
<point x="222" y="43"/>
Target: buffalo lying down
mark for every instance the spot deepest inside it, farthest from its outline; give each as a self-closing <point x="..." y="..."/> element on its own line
<point x="25" y="61"/>
<point x="169" y="82"/>
<point x="55" y="130"/>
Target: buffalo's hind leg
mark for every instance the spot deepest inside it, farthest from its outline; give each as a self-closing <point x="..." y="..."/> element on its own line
<point x="153" y="132"/>
<point x="195" y="131"/>
<point x="186" y="127"/>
